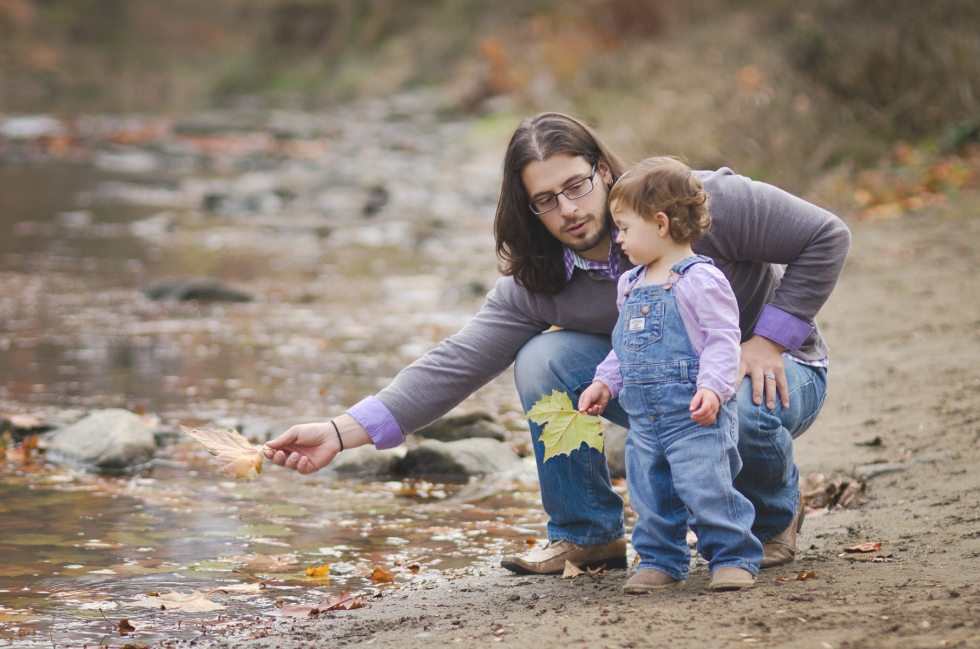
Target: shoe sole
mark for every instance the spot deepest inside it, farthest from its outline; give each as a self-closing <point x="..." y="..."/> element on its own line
<point x="731" y="585"/>
<point x="646" y="590"/>
<point x="614" y="563"/>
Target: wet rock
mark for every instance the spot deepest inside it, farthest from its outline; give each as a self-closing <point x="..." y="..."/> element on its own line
<point x="110" y="441"/>
<point x="368" y="462"/>
<point x="462" y="459"/>
<point x="615" y="450"/>
<point x="195" y="288"/>
<point x="452" y="428"/>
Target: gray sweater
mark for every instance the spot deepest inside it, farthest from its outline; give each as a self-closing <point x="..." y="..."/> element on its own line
<point x="755" y="226"/>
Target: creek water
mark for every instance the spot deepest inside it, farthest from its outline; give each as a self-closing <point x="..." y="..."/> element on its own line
<point x="364" y="240"/>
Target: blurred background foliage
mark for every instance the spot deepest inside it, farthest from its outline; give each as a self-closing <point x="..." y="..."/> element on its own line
<point x="787" y="91"/>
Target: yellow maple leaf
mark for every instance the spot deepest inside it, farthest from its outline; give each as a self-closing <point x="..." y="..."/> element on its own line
<point x="565" y="428"/>
<point x="233" y="454"/>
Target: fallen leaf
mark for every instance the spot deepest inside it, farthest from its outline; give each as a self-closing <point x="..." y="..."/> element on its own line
<point x="125" y="627"/>
<point x="530" y="541"/>
<point x="564" y="427"/>
<point x="318" y="571"/>
<point x="571" y="570"/>
<point x="803" y="576"/>
<point x="196" y="602"/>
<point x="870" y="546"/>
<point x="234" y="455"/>
<point x="297" y="610"/>
<point x="414" y="567"/>
<point x="598" y="571"/>
<point x="382" y="577"/>
<point x="343" y="602"/>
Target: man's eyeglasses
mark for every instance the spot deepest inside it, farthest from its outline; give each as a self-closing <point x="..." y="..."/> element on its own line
<point x="572" y="192"/>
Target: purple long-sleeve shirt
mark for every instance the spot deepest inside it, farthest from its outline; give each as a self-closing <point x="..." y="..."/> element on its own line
<point x="709" y="312"/>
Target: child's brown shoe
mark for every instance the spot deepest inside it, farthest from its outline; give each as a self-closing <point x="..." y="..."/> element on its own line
<point x="649" y="581"/>
<point x="730" y="578"/>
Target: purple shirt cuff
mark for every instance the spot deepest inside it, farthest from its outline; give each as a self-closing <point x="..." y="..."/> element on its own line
<point x="378" y="421"/>
<point x="781" y="327"/>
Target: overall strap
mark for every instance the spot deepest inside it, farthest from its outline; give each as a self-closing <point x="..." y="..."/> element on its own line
<point x="685" y="265"/>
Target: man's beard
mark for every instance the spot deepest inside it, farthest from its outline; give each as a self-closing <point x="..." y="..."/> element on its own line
<point x="584" y="245"/>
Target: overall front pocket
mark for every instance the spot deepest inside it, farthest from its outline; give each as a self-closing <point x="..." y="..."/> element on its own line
<point x="641" y="329"/>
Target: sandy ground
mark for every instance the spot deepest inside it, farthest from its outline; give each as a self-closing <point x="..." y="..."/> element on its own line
<point x="904" y="327"/>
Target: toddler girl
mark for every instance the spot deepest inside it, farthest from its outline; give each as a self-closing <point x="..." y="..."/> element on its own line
<point x="673" y="365"/>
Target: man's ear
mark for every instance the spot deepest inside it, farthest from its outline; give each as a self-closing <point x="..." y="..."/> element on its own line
<point x="663" y="224"/>
<point x="605" y="171"/>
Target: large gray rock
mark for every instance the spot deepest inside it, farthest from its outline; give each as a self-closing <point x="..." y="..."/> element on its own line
<point x="109" y="441"/>
<point x="202" y="289"/>
<point x="614" y="447"/>
<point x="462" y="459"/>
<point x="367" y="462"/>
<point x="452" y="428"/>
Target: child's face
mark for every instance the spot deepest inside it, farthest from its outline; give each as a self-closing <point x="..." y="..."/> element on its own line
<point x="644" y="241"/>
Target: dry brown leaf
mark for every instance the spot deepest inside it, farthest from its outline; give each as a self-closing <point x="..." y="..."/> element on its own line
<point x="125" y="627"/>
<point x="803" y="576"/>
<point x="234" y="455"/>
<point x="297" y="610"/>
<point x="870" y="546"/>
<point x="571" y="570"/>
<point x="598" y="571"/>
<point x="382" y="577"/>
<point x="343" y="602"/>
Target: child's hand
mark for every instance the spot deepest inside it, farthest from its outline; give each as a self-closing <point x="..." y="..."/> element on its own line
<point x="594" y="399"/>
<point x="704" y="406"/>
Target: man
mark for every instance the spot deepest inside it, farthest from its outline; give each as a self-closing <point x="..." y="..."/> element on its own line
<point x="560" y="264"/>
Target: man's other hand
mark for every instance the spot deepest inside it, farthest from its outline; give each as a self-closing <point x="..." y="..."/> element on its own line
<point x="762" y="361"/>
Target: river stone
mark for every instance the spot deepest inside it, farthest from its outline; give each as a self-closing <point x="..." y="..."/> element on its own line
<point x="452" y="428"/>
<point x="111" y="441"/>
<point x="614" y="446"/>
<point x="203" y="289"/>
<point x="367" y="461"/>
<point x="461" y="459"/>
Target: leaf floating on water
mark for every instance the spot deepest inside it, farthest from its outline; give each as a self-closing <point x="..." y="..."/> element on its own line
<point x="564" y="427"/>
<point x="319" y="571"/>
<point x="234" y="455"/>
<point x="382" y="577"/>
<point x="196" y="602"/>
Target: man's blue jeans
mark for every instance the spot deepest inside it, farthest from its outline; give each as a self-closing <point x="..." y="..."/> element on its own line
<point x="575" y="489"/>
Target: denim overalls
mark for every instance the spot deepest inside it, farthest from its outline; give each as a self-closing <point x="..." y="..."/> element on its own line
<point x="678" y="471"/>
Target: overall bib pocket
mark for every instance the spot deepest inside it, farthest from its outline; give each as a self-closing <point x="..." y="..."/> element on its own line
<point x="642" y="329"/>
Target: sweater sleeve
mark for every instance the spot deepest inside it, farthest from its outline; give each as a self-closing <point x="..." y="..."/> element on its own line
<point x="608" y="370"/>
<point x="755" y="223"/>
<point x="711" y="318"/>
<point x="442" y="378"/>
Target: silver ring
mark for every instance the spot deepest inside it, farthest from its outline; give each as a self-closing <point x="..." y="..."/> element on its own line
<point x="769" y="376"/>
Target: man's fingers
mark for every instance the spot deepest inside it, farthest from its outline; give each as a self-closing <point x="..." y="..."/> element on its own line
<point x="758" y="386"/>
<point x="782" y="385"/>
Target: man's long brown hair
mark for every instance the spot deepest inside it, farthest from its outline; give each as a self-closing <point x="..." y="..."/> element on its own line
<point x="526" y="249"/>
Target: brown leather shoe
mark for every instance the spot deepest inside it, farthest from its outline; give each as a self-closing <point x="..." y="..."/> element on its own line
<point x="650" y="581"/>
<point x="782" y="549"/>
<point x="731" y="578"/>
<point x="550" y="560"/>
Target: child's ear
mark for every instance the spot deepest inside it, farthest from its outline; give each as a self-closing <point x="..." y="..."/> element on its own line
<point x="663" y="224"/>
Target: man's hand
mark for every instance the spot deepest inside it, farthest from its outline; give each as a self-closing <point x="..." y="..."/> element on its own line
<point x="594" y="398"/>
<point x="704" y="406"/>
<point x="306" y="448"/>
<point x="762" y="361"/>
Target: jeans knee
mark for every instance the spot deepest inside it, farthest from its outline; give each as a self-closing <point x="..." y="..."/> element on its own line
<point x="532" y="367"/>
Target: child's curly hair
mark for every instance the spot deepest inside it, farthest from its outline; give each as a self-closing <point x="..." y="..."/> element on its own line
<point x="665" y="184"/>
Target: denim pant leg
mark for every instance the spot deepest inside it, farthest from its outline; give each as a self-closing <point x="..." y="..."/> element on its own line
<point x="575" y="488"/>
<point x="703" y="460"/>
<point x="769" y="477"/>
<point x="660" y="532"/>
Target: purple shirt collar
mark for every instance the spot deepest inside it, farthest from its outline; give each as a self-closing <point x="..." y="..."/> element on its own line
<point x="611" y="268"/>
